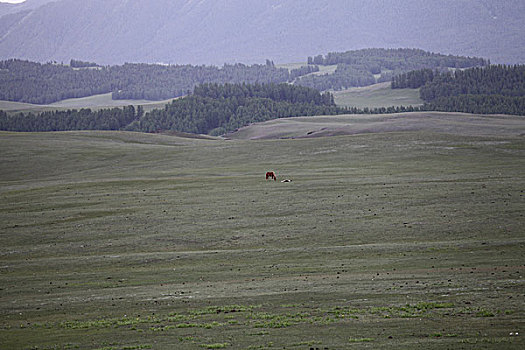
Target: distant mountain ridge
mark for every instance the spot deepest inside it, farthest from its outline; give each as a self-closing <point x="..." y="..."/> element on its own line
<point x="219" y="31"/>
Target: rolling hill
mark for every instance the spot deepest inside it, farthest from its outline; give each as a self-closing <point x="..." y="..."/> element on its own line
<point x="377" y="95"/>
<point x="94" y="102"/>
<point x="187" y="31"/>
<point x="118" y="240"/>
<point x="437" y="122"/>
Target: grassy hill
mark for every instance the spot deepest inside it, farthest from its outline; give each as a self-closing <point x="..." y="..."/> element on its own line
<point x="377" y="95"/>
<point x="382" y="240"/>
<point x="438" y="122"/>
<point x="94" y="102"/>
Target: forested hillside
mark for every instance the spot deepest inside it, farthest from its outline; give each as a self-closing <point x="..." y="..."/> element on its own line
<point x="368" y="66"/>
<point x="212" y="108"/>
<point x="216" y="109"/>
<point x="492" y="80"/>
<point x="413" y="79"/>
<point x="31" y="82"/>
<point x="219" y="108"/>
<point x="84" y="119"/>
<point x="487" y="90"/>
<point x="24" y="81"/>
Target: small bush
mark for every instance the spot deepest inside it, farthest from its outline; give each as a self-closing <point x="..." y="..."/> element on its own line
<point x="215" y="346"/>
<point x="360" y="340"/>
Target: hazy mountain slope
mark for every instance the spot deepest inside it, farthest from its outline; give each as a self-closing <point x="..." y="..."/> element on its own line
<point x="6" y="8"/>
<point x="10" y="21"/>
<point x="218" y="31"/>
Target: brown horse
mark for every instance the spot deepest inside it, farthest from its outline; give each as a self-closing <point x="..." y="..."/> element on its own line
<point x="271" y="175"/>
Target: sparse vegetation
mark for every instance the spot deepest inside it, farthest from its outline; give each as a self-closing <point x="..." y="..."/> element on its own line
<point x="215" y="346"/>
<point x="360" y="340"/>
<point x="384" y="240"/>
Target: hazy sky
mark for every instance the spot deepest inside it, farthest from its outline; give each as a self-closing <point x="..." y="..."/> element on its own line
<point x="13" y="1"/>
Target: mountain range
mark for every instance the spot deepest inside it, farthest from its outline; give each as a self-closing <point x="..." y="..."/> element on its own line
<point x="250" y="31"/>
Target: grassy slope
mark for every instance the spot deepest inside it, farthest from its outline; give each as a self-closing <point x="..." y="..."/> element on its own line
<point x="388" y="240"/>
<point x="454" y="123"/>
<point x="322" y="69"/>
<point x="93" y="102"/>
<point x="378" y="95"/>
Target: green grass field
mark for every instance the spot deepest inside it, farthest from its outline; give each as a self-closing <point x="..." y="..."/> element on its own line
<point x="436" y="122"/>
<point x="93" y="102"/>
<point x="378" y="95"/>
<point x="113" y="240"/>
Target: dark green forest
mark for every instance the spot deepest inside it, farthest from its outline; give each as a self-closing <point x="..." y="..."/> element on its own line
<point x="82" y="64"/>
<point x="368" y="66"/>
<point x="392" y="59"/>
<point x="413" y="79"/>
<point x="24" y="81"/>
<point x="493" y="80"/>
<point x="217" y="109"/>
<point x="343" y="77"/>
<point x="84" y="119"/>
<point x="212" y="108"/>
<point x="31" y="82"/>
<point x="484" y="90"/>
<point x="478" y="104"/>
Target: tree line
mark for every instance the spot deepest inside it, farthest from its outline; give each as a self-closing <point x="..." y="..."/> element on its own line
<point x="413" y="79"/>
<point x="369" y="66"/>
<point x="345" y="76"/>
<point x="212" y="109"/>
<point x="31" y="82"/>
<point x="392" y="59"/>
<point x="275" y="92"/>
<point x="82" y="64"/>
<point x="83" y="119"/>
<point x="24" y="81"/>
<point x="220" y="108"/>
<point x="217" y="109"/>
<point x="492" y="80"/>
<point x="484" y="90"/>
<point x="304" y="70"/>
<point x="478" y="104"/>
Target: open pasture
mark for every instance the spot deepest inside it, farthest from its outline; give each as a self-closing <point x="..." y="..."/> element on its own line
<point x="377" y="95"/>
<point x="112" y="240"/>
<point x="94" y="102"/>
<point x="435" y="122"/>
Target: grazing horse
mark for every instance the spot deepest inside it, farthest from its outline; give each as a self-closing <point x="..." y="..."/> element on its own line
<point x="271" y="175"/>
